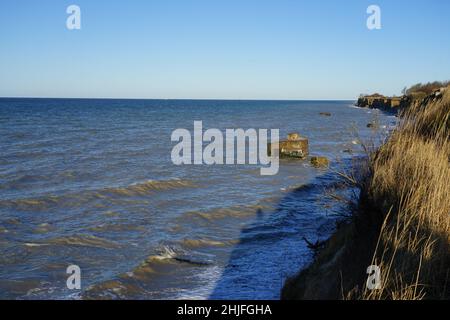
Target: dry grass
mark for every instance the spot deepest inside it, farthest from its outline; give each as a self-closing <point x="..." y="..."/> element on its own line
<point x="402" y="220"/>
<point x="409" y="187"/>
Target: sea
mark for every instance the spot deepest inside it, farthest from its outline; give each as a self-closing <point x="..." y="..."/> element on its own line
<point x="91" y="183"/>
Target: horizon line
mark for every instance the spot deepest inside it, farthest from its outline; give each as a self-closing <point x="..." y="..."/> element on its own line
<point x="205" y="99"/>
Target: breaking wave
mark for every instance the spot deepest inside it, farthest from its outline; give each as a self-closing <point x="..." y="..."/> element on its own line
<point x="149" y="274"/>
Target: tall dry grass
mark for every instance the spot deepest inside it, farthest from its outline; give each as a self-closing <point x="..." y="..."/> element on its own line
<point x="409" y="190"/>
<point x="401" y="221"/>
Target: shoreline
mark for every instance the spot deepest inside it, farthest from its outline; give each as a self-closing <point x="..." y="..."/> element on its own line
<point x="405" y="230"/>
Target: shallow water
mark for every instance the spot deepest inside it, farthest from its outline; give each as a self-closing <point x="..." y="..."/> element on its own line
<point x="91" y="183"/>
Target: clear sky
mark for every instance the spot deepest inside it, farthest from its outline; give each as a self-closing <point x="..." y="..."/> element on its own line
<point x="242" y="49"/>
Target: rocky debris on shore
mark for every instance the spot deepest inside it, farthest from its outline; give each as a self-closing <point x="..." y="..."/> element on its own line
<point x="294" y="147"/>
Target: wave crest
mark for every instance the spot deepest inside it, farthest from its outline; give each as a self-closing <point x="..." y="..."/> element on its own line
<point x="80" y="198"/>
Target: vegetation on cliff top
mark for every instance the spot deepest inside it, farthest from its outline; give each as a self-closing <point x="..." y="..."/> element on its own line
<point x="402" y="220"/>
<point x="421" y="90"/>
<point x="425" y="88"/>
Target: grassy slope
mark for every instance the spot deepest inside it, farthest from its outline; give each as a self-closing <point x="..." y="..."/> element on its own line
<point x="402" y="223"/>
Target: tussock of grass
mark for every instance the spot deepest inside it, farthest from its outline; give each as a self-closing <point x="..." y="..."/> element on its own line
<point x="402" y="223"/>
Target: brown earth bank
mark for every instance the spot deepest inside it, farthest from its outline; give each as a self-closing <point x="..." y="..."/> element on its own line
<point x="401" y="221"/>
<point x="410" y="96"/>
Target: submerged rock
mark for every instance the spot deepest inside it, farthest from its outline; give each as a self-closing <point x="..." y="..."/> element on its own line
<point x="320" y="162"/>
<point x="327" y="114"/>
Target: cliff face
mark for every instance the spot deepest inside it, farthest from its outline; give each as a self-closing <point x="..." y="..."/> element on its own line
<point x="377" y="101"/>
<point x="395" y="104"/>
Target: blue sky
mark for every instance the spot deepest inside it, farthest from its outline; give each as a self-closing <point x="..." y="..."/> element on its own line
<point x="241" y="49"/>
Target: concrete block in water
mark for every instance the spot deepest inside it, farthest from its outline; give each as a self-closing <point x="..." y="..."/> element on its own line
<point x="294" y="147"/>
